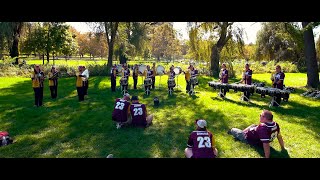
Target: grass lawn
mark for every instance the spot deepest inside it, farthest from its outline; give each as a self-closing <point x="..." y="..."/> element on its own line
<point x="67" y="128"/>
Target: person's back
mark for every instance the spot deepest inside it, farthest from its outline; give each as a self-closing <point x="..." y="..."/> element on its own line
<point x="264" y="132"/>
<point x="202" y="144"/>
<point x="138" y="113"/>
<point x="120" y="111"/>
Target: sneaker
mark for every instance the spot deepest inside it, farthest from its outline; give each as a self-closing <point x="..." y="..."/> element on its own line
<point x="118" y="125"/>
<point x="110" y="156"/>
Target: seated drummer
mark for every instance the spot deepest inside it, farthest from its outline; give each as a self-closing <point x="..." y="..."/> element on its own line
<point x="277" y="82"/>
<point x="149" y="74"/>
<point x="247" y="79"/>
<point x="224" y="79"/>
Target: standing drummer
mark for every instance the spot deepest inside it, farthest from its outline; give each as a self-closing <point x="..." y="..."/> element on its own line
<point x="149" y="74"/>
<point x="193" y="73"/>
<point x="224" y="79"/>
<point x="277" y="82"/>
<point x="126" y="73"/>
<point x="135" y="76"/>
<point x="247" y="79"/>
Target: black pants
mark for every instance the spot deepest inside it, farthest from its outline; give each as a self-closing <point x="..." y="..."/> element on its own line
<point x="113" y="84"/>
<point x="247" y="94"/>
<point x="38" y="96"/>
<point x="188" y="85"/>
<point x="153" y="82"/>
<point x="54" y="91"/>
<point x="86" y="86"/>
<point x="135" y="82"/>
<point x="80" y="91"/>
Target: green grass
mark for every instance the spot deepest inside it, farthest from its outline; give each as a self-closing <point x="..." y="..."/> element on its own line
<point x="67" y="128"/>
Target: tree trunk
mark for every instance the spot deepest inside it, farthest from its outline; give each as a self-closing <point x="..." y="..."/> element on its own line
<point x="215" y="59"/>
<point x="311" y="59"/>
<point x="14" y="50"/>
<point x="48" y="57"/>
<point x="42" y="59"/>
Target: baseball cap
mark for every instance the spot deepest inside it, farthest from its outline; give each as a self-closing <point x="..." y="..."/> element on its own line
<point x="126" y="95"/>
<point x="134" y="98"/>
<point x="201" y="123"/>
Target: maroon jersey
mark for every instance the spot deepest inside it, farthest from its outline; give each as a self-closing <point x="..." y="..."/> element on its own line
<point x="126" y="72"/>
<point x="248" y="77"/>
<point x="277" y="77"/>
<point x="172" y="74"/>
<point x="225" y="79"/>
<point x="120" y="111"/>
<point x="138" y="112"/>
<point x="194" y="73"/>
<point x="265" y="132"/>
<point x="201" y="144"/>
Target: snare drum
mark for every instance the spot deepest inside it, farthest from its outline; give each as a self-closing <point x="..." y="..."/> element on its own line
<point x="171" y="82"/>
<point x="194" y="80"/>
<point x="123" y="81"/>
<point x="148" y="82"/>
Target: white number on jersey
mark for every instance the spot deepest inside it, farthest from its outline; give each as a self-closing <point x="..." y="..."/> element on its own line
<point x="204" y="142"/>
<point x="119" y="105"/>
<point x="137" y="111"/>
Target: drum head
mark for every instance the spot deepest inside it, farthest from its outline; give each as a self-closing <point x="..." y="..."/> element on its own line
<point x="142" y="68"/>
<point x="177" y="70"/>
<point x="160" y="70"/>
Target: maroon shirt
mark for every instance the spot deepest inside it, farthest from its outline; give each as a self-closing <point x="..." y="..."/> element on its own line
<point x="126" y="72"/>
<point x="172" y="74"/>
<point x="150" y="73"/>
<point x="225" y="72"/>
<point x="201" y="144"/>
<point x="248" y="77"/>
<point x="138" y="112"/>
<point x="264" y="132"/>
<point x="120" y="111"/>
<point x="277" y="77"/>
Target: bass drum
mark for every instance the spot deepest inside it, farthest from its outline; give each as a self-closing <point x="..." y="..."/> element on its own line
<point x="177" y="70"/>
<point x="142" y="68"/>
<point x="160" y="70"/>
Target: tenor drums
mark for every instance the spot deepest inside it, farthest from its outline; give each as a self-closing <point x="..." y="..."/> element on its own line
<point x="160" y="69"/>
<point x="171" y="82"/>
<point x="142" y="68"/>
<point x="148" y="82"/>
<point x="177" y="70"/>
<point x="123" y="81"/>
<point x="194" y="80"/>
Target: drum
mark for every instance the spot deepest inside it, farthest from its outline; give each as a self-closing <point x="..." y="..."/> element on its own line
<point x="285" y="95"/>
<point x="171" y="82"/>
<point x="194" y="80"/>
<point x="147" y="82"/>
<point x="119" y="68"/>
<point x="177" y="70"/>
<point x="142" y="68"/>
<point x="123" y="81"/>
<point x="160" y="70"/>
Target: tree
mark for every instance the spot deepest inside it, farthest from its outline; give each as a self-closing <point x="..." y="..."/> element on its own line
<point x="10" y="32"/>
<point x="310" y="53"/>
<point x="220" y="33"/>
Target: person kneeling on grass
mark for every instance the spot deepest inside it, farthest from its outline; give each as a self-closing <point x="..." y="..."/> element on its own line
<point x="121" y="111"/>
<point x="201" y="142"/>
<point x="260" y="135"/>
<point x="139" y="113"/>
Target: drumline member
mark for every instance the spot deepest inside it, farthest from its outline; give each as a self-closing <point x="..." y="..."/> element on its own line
<point x="113" y="75"/>
<point x="85" y="79"/>
<point x="53" y="82"/>
<point x="224" y="79"/>
<point x="277" y="82"/>
<point x="126" y="73"/>
<point x="187" y="76"/>
<point x="149" y="74"/>
<point x="139" y="113"/>
<point x="247" y="78"/>
<point x="37" y="78"/>
<point x="193" y="73"/>
<point x="79" y="84"/>
<point x="154" y="74"/>
<point x="135" y="76"/>
<point x="171" y="75"/>
<point x="121" y="111"/>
